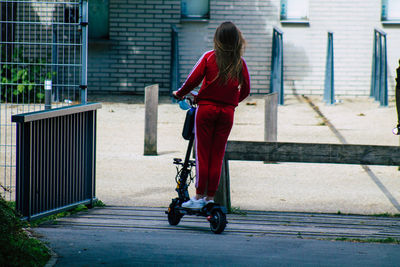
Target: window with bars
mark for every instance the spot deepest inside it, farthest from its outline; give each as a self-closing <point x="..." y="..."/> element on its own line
<point x="195" y="9"/>
<point x="294" y="11"/>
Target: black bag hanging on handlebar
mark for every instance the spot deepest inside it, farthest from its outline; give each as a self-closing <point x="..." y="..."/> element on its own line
<point x="188" y="126"/>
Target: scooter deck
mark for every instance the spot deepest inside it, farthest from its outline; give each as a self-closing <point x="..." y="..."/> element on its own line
<point x="205" y="211"/>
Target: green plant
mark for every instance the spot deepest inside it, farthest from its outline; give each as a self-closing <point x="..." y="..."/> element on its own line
<point x="388" y="240"/>
<point x="23" y="79"/>
<point x="99" y="204"/>
<point x="237" y="211"/>
<point x="52" y="218"/>
<point x="389" y="215"/>
<point x="16" y="247"/>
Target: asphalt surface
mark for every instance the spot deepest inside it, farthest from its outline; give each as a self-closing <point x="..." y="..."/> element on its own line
<point x="135" y="236"/>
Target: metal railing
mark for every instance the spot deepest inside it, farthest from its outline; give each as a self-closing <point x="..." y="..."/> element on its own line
<point x="379" y="84"/>
<point x="276" y="83"/>
<point x="40" y="40"/>
<point x="56" y="158"/>
<point x="329" y="86"/>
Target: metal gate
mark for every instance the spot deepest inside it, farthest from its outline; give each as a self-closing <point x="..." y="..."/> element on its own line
<point x="40" y="41"/>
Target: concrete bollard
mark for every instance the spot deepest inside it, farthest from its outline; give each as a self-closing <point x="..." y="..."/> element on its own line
<point x="150" y="123"/>
<point x="271" y="118"/>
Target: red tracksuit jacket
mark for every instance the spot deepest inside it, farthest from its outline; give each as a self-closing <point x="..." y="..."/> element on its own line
<point x="212" y="90"/>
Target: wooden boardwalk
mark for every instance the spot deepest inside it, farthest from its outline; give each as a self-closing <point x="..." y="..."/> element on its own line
<point x="254" y="223"/>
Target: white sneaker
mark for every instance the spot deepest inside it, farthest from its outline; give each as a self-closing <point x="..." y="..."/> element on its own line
<point x="207" y="201"/>
<point x="194" y="203"/>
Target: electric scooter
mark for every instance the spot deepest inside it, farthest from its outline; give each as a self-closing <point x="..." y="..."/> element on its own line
<point x="215" y="213"/>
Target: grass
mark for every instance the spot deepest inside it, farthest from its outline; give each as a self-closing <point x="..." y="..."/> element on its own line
<point x="16" y="247"/>
<point x="388" y="215"/>
<point x="54" y="217"/>
<point x="388" y="240"/>
<point x="237" y="211"/>
<point x="383" y="215"/>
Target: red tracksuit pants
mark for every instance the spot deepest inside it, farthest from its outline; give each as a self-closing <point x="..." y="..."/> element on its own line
<point x="213" y="125"/>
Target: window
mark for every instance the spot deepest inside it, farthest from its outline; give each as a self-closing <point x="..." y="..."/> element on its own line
<point x="195" y="9"/>
<point x="98" y="19"/>
<point x="294" y="11"/>
<point x="391" y="11"/>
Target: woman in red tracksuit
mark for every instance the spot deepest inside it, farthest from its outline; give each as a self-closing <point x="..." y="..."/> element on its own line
<point x="226" y="82"/>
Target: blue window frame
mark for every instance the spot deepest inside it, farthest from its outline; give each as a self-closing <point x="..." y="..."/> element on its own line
<point x="390" y="11"/>
<point x="294" y="11"/>
<point x="195" y="9"/>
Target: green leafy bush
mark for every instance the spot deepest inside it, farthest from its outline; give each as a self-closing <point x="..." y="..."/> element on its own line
<point x="23" y="79"/>
<point x="16" y="247"/>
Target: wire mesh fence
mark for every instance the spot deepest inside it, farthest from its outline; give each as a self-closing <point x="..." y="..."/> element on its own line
<point x="40" y="40"/>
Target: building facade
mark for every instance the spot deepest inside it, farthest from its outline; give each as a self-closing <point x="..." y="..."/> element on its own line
<point x="135" y="50"/>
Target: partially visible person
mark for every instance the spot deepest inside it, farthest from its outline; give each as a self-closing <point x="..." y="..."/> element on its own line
<point x="396" y="130"/>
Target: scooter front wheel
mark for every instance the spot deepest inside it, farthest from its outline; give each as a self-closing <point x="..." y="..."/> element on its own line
<point x="217" y="221"/>
<point x="174" y="216"/>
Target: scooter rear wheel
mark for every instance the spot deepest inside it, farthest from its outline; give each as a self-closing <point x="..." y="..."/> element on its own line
<point x="174" y="217"/>
<point x="217" y="221"/>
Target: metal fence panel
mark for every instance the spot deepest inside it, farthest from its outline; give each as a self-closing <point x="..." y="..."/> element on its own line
<point x="56" y="152"/>
<point x="40" y="40"/>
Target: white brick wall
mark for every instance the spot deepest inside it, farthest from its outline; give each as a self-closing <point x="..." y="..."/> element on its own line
<point x="352" y="23"/>
<point x="139" y="53"/>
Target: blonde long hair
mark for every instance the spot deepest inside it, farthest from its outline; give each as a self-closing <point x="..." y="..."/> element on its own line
<point x="229" y="46"/>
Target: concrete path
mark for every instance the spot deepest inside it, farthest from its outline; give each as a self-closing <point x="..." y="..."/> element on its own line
<point x="126" y="177"/>
<point x="135" y="236"/>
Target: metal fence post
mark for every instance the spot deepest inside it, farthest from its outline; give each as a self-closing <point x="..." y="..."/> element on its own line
<point x="84" y="25"/>
<point x="54" y="62"/>
<point x="276" y="83"/>
<point x="174" y="72"/>
<point x="47" y="94"/>
<point x="374" y="65"/>
<point x="377" y="65"/>
<point x="383" y="97"/>
<point x="379" y="87"/>
<point x="329" y="90"/>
